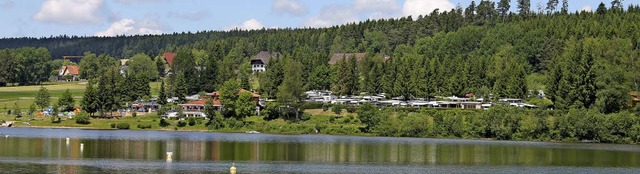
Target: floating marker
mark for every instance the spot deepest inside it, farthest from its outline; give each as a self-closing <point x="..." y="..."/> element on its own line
<point x="233" y="169"/>
<point x="81" y="147"/>
<point x="67" y="141"/>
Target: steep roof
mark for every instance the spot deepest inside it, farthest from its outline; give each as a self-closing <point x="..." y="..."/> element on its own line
<point x="73" y="70"/>
<point x="168" y="56"/>
<point x="265" y="55"/>
<point x="338" y="56"/>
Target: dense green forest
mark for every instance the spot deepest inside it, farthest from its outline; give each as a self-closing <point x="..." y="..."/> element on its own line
<point x="580" y="59"/>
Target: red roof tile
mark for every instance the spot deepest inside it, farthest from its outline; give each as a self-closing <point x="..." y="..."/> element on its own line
<point x="168" y="56"/>
<point x="73" y="70"/>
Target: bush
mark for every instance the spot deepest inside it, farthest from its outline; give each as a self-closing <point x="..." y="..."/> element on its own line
<point x="337" y="109"/>
<point x="82" y="118"/>
<point x="192" y="121"/>
<point x="305" y="116"/>
<point x="113" y="125"/>
<point x="163" y="123"/>
<point x="134" y="114"/>
<point x="123" y="125"/>
<point x="182" y="123"/>
<point x="351" y="109"/>
<point x="326" y="106"/>
<point x="144" y="126"/>
<point x="55" y="119"/>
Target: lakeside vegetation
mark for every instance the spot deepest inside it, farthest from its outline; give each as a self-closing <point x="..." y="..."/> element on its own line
<point x="586" y="68"/>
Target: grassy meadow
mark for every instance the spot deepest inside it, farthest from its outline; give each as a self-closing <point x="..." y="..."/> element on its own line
<point x="25" y="95"/>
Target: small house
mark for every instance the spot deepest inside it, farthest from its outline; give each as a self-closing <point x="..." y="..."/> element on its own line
<point x="259" y="62"/>
<point x="69" y="73"/>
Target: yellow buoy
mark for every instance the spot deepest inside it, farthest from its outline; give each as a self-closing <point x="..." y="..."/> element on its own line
<point x="233" y="169"/>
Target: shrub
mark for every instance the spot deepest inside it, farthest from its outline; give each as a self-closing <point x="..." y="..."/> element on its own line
<point x="82" y="118"/>
<point x="337" y="109"/>
<point x="305" y="116"/>
<point x="192" y="121"/>
<point x="144" y="126"/>
<point x="123" y="125"/>
<point x="351" y="109"/>
<point x="326" y="106"/>
<point x="163" y="123"/>
<point x="113" y="125"/>
<point x="182" y="123"/>
<point x="134" y="114"/>
<point x="55" y="119"/>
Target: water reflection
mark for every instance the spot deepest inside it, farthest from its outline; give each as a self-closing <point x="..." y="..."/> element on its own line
<point x="153" y="147"/>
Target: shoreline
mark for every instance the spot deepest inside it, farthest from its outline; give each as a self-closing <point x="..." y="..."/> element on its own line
<point x="241" y="132"/>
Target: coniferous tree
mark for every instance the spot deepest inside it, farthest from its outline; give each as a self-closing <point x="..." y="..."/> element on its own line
<point x="340" y="77"/>
<point x="470" y="12"/>
<point x="271" y="78"/>
<point x="503" y="7"/>
<point x="524" y="7"/>
<point x="160" y="65"/>
<point x="43" y="98"/>
<point x="565" y="7"/>
<point x="162" y="97"/>
<point x="66" y="101"/>
<point x="90" y="100"/>
<point x="602" y="9"/>
<point x="352" y="76"/>
<point x="320" y="78"/>
<point x="551" y="6"/>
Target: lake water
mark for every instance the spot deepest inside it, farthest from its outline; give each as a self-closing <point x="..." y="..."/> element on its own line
<point x="32" y="150"/>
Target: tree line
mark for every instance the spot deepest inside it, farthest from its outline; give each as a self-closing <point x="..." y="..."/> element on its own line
<point x="482" y="48"/>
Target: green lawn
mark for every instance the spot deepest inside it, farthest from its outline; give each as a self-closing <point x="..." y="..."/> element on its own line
<point x="24" y="95"/>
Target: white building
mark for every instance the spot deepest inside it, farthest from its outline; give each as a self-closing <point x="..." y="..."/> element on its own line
<point x="260" y="61"/>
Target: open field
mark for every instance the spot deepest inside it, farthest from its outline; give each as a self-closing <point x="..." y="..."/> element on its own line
<point x="24" y="95"/>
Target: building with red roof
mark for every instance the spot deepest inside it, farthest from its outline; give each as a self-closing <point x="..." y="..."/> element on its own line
<point x="69" y="73"/>
<point x="168" y="56"/>
<point x="196" y="108"/>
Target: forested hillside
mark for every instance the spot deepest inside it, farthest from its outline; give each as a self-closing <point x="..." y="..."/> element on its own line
<point x="581" y="59"/>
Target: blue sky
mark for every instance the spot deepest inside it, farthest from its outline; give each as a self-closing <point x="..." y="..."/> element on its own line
<point x="38" y="18"/>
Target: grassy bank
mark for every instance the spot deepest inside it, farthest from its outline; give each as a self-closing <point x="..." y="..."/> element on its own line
<point x="319" y="123"/>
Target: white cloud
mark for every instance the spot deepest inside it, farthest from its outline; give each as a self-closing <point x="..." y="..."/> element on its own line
<point x="6" y="3"/>
<point x="586" y="8"/>
<point x="132" y="27"/>
<point x="289" y="7"/>
<point x="251" y="24"/>
<point x="423" y="7"/>
<point x="330" y="16"/>
<point x="377" y="9"/>
<point x="195" y="16"/>
<point x="375" y="5"/>
<point x="70" y="11"/>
